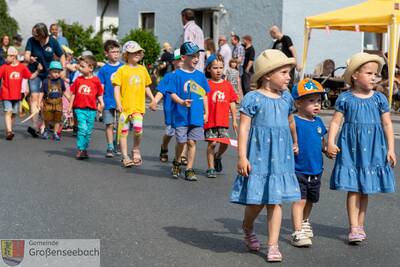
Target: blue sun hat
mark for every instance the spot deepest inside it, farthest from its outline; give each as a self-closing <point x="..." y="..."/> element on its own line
<point x="307" y="87"/>
<point x="55" y="65"/>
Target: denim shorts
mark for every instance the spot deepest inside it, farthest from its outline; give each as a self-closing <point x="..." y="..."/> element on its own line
<point x="35" y="85"/>
<point x="309" y="186"/>
<point x="169" y="131"/>
<point x="109" y="116"/>
<point x="185" y="133"/>
<point x="11" y="106"/>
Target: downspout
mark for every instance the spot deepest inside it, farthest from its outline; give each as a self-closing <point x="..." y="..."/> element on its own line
<point x="102" y="16"/>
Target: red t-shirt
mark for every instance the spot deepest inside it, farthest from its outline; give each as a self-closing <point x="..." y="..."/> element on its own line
<point x="12" y="80"/>
<point x="86" y="91"/>
<point x="219" y="98"/>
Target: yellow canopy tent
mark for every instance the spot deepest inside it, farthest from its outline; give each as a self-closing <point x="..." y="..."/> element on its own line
<point x="371" y="16"/>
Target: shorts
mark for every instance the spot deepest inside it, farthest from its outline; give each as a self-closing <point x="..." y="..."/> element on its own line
<point x="52" y="110"/>
<point x="185" y="133"/>
<point x="216" y="132"/>
<point x="35" y="85"/>
<point x="109" y="116"/>
<point x="11" y="106"/>
<point x="169" y="131"/>
<point x="136" y="120"/>
<point x="309" y="186"/>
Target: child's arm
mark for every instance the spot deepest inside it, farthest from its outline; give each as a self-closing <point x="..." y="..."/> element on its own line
<point x="388" y="128"/>
<point x="117" y="96"/>
<point x="240" y="88"/>
<point x="232" y="107"/>
<point x="205" y="103"/>
<point x="187" y="102"/>
<point x="333" y="149"/>
<point x="157" y="99"/>
<point x="101" y="103"/>
<point x="243" y="165"/>
<point x="292" y="126"/>
<point x="36" y="73"/>
<point x="71" y="102"/>
<point x="150" y="95"/>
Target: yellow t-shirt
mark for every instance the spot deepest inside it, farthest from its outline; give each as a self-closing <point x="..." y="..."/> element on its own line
<point x="132" y="80"/>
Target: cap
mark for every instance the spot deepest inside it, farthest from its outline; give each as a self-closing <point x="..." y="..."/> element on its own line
<point x="12" y="51"/>
<point x="307" y="87"/>
<point x="55" y="65"/>
<point x="210" y="59"/>
<point x="190" y="48"/>
<point x="131" y="47"/>
<point x="86" y="53"/>
<point x="177" y="54"/>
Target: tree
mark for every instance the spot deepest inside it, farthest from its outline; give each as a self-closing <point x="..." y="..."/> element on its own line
<point x="147" y="41"/>
<point x="81" y="39"/>
<point x="8" y="25"/>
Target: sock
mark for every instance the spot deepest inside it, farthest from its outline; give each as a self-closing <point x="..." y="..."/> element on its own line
<point x="110" y="146"/>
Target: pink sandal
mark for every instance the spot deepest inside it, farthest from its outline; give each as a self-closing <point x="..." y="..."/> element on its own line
<point x="361" y="232"/>
<point x="354" y="236"/>
<point x="250" y="239"/>
<point x="274" y="255"/>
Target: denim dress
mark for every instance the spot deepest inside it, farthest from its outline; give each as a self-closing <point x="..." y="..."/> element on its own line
<point x="272" y="179"/>
<point x="362" y="166"/>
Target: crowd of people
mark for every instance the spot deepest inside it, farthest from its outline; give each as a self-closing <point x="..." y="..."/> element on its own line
<point x="281" y="138"/>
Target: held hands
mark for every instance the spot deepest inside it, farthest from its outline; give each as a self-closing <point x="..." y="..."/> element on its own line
<point x="187" y="103"/>
<point x="333" y="150"/>
<point x="243" y="167"/>
<point x="391" y="158"/>
<point x="153" y="105"/>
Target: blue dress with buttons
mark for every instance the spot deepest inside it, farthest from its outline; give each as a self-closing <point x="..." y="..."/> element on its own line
<point x="272" y="179"/>
<point x="362" y="166"/>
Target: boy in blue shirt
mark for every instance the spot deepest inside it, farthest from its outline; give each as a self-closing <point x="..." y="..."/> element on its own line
<point x="308" y="163"/>
<point x="188" y="87"/>
<point x="105" y="75"/>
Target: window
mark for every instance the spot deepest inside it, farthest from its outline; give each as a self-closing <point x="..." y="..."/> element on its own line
<point x="373" y="41"/>
<point x="147" y="21"/>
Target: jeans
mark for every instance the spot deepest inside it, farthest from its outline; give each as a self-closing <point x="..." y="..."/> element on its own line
<point x="85" y="119"/>
<point x="246" y="82"/>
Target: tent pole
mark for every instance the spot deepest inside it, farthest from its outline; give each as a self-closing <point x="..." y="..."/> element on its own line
<point x="307" y="34"/>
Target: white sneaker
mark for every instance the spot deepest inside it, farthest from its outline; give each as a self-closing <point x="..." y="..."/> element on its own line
<point x="299" y="239"/>
<point x="307" y="229"/>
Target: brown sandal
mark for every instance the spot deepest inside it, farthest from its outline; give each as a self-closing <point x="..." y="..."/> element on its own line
<point x="127" y="163"/>
<point x="163" y="155"/>
<point x="137" y="158"/>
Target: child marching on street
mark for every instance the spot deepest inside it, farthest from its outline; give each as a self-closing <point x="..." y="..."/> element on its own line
<point x="310" y="131"/>
<point x="365" y="152"/>
<point x="266" y="146"/>
<point x="221" y="99"/>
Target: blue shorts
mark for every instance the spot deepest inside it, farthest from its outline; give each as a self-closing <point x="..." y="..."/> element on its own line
<point x="11" y="106"/>
<point x="35" y="85"/>
<point x="109" y="116"/>
<point x="185" y="133"/>
<point x="169" y="131"/>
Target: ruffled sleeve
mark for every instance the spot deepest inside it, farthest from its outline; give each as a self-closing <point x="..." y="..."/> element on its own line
<point x="249" y="104"/>
<point x="383" y="103"/>
<point x="340" y="104"/>
<point x="289" y="99"/>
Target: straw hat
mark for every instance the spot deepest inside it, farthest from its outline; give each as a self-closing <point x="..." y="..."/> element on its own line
<point x="359" y="59"/>
<point x="269" y="60"/>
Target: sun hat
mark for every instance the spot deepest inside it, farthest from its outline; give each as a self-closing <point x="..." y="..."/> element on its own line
<point x="190" y="48"/>
<point x="55" y="65"/>
<point x="177" y="54"/>
<point x="131" y="47"/>
<point x="359" y="59"/>
<point x="12" y="51"/>
<point x="269" y="60"/>
<point x="307" y="87"/>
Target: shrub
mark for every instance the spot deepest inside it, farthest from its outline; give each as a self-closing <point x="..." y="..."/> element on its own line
<point x="8" y="25"/>
<point x="147" y="41"/>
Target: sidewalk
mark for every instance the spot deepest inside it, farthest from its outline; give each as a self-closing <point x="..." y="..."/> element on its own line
<point x="326" y="115"/>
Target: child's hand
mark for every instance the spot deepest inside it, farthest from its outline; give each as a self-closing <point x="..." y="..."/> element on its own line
<point x="119" y="108"/>
<point x="100" y="107"/>
<point x="187" y="103"/>
<point x="296" y="149"/>
<point x="244" y="167"/>
<point x="391" y="157"/>
<point x="205" y="117"/>
<point x="333" y="150"/>
<point x="235" y="127"/>
<point x="39" y="67"/>
<point x="153" y="105"/>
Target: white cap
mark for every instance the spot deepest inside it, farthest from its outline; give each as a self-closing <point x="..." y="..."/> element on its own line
<point x="131" y="47"/>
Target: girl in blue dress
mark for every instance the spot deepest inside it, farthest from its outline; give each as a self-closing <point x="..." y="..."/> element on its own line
<point x="266" y="146"/>
<point x="365" y="153"/>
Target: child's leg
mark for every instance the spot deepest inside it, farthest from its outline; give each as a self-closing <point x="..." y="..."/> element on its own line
<point x="250" y="214"/>
<point x="138" y="130"/>
<point x="56" y="127"/>
<point x="191" y="148"/>
<point x="8" y="120"/>
<point x="307" y="210"/>
<point x="90" y="118"/>
<point x="298" y="209"/>
<point x="274" y="223"/>
<point x="110" y="136"/>
<point x="210" y="154"/>
<point x="221" y="150"/>
<point x="165" y="141"/>
<point x="363" y="209"/>
<point x="81" y="117"/>
<point x="353" y="209"/>
<point x="179" y="150"/>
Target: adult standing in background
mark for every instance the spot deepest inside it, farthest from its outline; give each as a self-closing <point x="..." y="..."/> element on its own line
<point x="166" y="59"/>
<point x="5" y="43"/>
<point x="225" y="51"/>
<point x="40" y="48"/>
<point x="238" y="52"/>
<point x="192" y="32"/>
<point x="54" y="30"/>
<point x="248" y="70"/>
<point x="284" y="43"/>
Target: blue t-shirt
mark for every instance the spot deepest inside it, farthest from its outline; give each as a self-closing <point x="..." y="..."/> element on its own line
<point x="309" y="135"/>
<point x="180" y="84"/>
<point x="44" y="54"/>
<point x="167" y="101"/>
<point x="105" y="76"/>
<point x="57" y="88"/>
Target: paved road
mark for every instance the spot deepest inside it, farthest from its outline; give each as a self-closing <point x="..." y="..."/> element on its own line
<point x="145" y="218"/>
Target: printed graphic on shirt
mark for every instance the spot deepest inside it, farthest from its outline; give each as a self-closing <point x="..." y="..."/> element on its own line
<point x="134" y="80"/>
<point x="15" y="75"/>
<point x="84" y="89"/>
<point x="48" y="49"/>
<point x="218" y="96"/>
